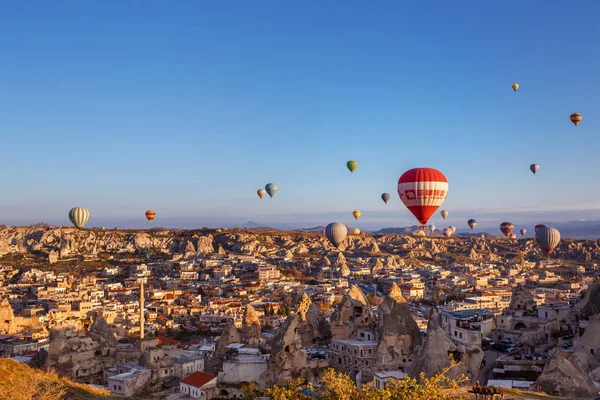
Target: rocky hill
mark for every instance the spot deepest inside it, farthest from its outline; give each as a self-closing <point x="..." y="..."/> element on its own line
<point x="59" y="243"/>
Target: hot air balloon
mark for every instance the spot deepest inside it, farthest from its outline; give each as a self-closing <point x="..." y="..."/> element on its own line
<point x="432" y="228"/>
<point x="356" y="231"/>
<point x="576" y="118"/>
<point x="523" y="232"/>
<point x="538" y="227"/>
<point x="444" y="214"/>
<point x="261" y="193"/>
<point x="515" y="86"/>
<point x="150" y="214"/>
<point x="422" y="190"/>
<point x="79" y="216"/>
<point x="534" y="168"/>
<point x="548" y="238"/>
<point x="419" y="233"/>
<point x="271" y="188"/>
<point x="447" y="232"/>
<point x="453" y="229"/>
<point x="512" y="236"/>
<point x="472" y="223"/>
<point x="356" y="214"/>
<point x="336" y="233"/>
<point x="385" y="197"/>
<point x="351" y="165"/>
<point x="507" y="228"/>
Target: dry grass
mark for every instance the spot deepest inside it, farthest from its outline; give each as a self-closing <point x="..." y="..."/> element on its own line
<point x="20" y="382"/>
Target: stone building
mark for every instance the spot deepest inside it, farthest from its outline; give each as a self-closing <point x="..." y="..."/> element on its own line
<point x="355" y="357"/>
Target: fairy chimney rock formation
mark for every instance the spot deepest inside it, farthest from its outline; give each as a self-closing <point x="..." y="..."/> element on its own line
<point x="251" y="327"/>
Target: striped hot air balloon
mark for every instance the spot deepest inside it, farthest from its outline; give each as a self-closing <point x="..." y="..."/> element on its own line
<point x="150" y="214"/>
<point x="548" y="238"/>
<point x="385" y="197"/>
<point x="422" y="190"/>
<point x="507" y="228"/>
<point x="575" y="118"/>
<point x="79" y="216"/>
<point x="534" y="168"/>
<point x="336" y="233"/>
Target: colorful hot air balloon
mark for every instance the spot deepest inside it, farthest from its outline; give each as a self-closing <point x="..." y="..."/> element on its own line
<point x="336" y="233"/>
<point x="538" y="227"/>
<point x="356" y="231"/>
<point x="548" y="238"/>
<point x="512" y="236"/>
<point x="422" y="190"/>
<point x="575" y="118"/>
<point x="385" y="197"/>
<point x="534" y="168"/>
<point x="261" y="193"/>
<point x="447" y="232"/>
<point x="515" y="86"/>
<point x="150" y="214"/>
<point x="453" y="229"/>
<point x="271" y="189"/>
<point x="432" y="227"/>
<point x="472" y="223"/>
<point x="444" y="214"/>
<point x="523" y="232"/>
<point x="507" y="228"/>
<point x="356" y="214"/>
<point x="351" y="165"/>
<point x="79" y="216"/>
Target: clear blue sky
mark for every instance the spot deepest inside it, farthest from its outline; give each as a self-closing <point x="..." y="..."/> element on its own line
<point x="189" y="107"/>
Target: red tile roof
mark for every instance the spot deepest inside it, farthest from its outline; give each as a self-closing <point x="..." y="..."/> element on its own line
<point x="166" y="340"/>
<point x="198" y="379"/>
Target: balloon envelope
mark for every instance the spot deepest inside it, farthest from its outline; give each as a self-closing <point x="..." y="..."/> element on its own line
<point x="150" y="214"/>
<point x="385" y="197"/>
<point x="356" y="231"/>
<point x="356" y="214"/>
<point x="432" y="227"/>
<point x="548" y="238"/>
<point x="523" y="232"/>
<point x="261" y="193"/>
<point x="575" y="118"/>
<point x="453" y="229"/>
<point x="336" y="233"/>
<point x="444" y="214"/>
<point x="351" y="165"/>
<point x="271" y="189"/>
<point x="447" y="232"/>
<point x="422" y="190"/>
<point x="472" y="223"/>
<point x="534" y="168"/>
<point x="507" y="228"/>
<point x="538" y="227"/>
<point x="79" y="216"/>
<point x="515" y="86"/>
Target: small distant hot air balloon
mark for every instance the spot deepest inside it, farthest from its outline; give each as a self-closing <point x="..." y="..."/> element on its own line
<point x="472" y="223"/>
<point x="515" y="86"/>
<point x="261" y="193"/>
<point x="432" y="227"/>
<point x="576" y="118"/>
<point x="385" y="197"/>
<point x="453" y="229"/>
<point x="507" y="228"/>
<point x="534" y="168"/>
<point x="523" y="232"/>
<point x="538" y="227"/>
<point x="356" y="214"/>
<point x="444" y="214"/>
<point x="422" y="190"/>
<point x="419" y="233"/>
<point x="79" y="216"/>
<point x="150" y="214"/>
<point x="351" y="165"/>
<point x="336" y="233"/>
<point x="356" y="231"/>
<point x="512" y="236"/>
<point x="447" y="232"/>
<point x="271" y="189"/>
<point x="548" y="238"/>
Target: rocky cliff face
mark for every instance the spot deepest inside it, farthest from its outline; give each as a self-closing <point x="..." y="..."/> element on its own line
<point x="353" y="312"/>
<point x="231" y="334"/>
<point x="314" y="328"/>
<point x="522" y="300"/>
<point x="438" y="351"/>
<point x="590" y="304"/>
<point x="566" y="377"/>
<point x="397" y="332"/>
<point x="250" y="327"/>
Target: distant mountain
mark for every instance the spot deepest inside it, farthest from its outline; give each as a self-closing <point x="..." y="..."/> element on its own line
<point x="577" y="229"/>
<point x="316" y="229"/>
<point x="251" y="224"/>
<point x="407" y="230"/>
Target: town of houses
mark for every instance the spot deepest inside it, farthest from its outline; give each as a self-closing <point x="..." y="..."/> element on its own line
<point x="160" y="325"/>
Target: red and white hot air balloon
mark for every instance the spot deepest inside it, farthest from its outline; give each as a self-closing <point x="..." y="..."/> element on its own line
<point x="422" y="190"/>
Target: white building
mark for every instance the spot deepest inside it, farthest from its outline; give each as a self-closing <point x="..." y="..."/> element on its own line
<point x="383" y="378"/>
<point x="467" y="327"/>
<point x="243" y="364"/>
<point x="199" y="385"/>
<point x="267" y="273"/>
